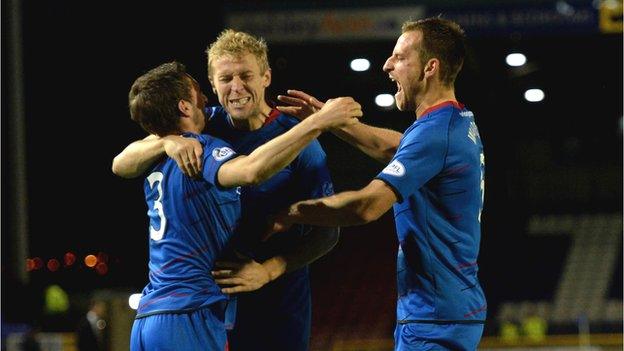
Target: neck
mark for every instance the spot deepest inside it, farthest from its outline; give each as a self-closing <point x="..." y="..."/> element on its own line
<point x="256" y="121"/>
<point x="434" y="97"/>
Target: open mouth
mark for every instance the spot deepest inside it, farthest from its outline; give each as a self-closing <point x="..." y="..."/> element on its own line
<point x="397" y="84"/>
<point x="239" y="102"/>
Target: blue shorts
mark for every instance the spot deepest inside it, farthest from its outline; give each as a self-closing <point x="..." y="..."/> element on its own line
<point x="432" y="336"/>
<point x="203" y="329"/>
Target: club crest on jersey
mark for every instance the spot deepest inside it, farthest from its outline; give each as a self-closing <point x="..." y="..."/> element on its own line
<point x="222" y="153"/>
<point x="395" y="168"/>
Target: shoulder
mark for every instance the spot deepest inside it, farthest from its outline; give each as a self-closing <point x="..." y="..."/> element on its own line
<point x="215" y="145"/>
<point x="287" y="121"/>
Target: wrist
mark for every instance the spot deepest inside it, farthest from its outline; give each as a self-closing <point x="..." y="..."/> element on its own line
<point x="275" y="267"/>
<point x="316" y="123"/>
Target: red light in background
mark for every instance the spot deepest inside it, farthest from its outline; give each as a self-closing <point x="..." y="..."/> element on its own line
<point x="30" y="264"/>
<point x="101" y="268"/>
<point x="90" y="261"/>
<point x="38" y="262"/>
<point x="102" y="257"/>
<point x="53" y="264"/>
<point x="69" y="259"/>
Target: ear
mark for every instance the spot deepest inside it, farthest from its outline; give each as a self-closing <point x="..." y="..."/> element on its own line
<point x="432" y="67"/>
<point x="266" y="78"/>
<point x="185" y="108"/>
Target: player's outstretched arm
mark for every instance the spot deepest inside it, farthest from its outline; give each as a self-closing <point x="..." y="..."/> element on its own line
<point x="311" y="247"/>
<point x="269" y="158"/>
<point x="344" y="209"/>
<point x="379" y="143"/>
<point x="140" y="155"/>
<point x="249" y="275"/>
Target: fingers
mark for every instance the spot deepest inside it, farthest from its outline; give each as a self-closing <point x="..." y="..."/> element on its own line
<point x="230" y="281"/>
<point x="292" y="100"/>
<point x="289" y="110"/>
<point x="222" y="273"/>
<point x="199" y="152"/>
<point x="192" y="166"/>
<point x="306" y="97"/>
<point x="237" y="289"/>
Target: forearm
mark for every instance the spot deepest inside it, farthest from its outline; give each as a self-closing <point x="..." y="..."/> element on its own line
<point x="318" y="242"/>
<point x="269" y="158"/>
<point x="344" y="209"/>
<point x="379" y="143"/>
<point x="137" y="157"/>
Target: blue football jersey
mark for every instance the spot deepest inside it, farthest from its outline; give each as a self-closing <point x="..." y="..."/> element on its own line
<point x="190" y="223"/>
<point x="438" y="175"/>
<point x="277" y="316"/>
<point x="304" y="178"/>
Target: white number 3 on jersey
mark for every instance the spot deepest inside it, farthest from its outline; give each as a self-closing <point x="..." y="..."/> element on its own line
<point x="157" y="234"/>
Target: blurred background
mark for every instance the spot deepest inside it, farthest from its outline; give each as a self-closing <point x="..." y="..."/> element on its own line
<point x="550" y="116"/>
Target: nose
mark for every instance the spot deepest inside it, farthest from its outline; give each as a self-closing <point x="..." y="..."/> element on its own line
<point x="388" y="66"/>
<point x="237" y="83"/>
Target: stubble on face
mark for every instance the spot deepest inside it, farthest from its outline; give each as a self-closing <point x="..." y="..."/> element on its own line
<point x="407" y="70"/>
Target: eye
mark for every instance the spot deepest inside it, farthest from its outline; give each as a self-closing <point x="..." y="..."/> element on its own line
<point x="225" y="79"/>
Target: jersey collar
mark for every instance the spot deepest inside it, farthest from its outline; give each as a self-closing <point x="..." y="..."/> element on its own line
<point x="433" y="108"/>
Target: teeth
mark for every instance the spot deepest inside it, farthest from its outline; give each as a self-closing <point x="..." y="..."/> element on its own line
<point x="239" y="102"/>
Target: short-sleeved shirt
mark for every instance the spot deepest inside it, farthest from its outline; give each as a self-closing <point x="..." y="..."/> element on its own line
<point x="190" y="223"/>
<point x="305" y="178"/>
<point x="277" y="316"/>
<point x="438" y="176"/>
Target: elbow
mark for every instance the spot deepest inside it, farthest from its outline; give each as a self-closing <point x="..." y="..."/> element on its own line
<point x="115" y="168"/>
<point x="120" y="171"/>
<point x="256" y="175"/>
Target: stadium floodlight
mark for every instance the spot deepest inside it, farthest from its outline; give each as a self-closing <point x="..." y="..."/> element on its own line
<point x="133" y="301"/>
<point x="534" y="95"/>
<point x="384" y="100"/>
<point x="360" y="64"/>
<point x="516" y="59"/>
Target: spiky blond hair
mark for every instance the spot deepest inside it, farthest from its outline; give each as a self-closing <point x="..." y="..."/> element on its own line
<point x="237" y="44"/>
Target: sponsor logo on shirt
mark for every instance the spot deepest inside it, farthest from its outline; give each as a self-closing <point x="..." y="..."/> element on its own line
<point x="221" y="154"/>
<point x="395" y="168"/>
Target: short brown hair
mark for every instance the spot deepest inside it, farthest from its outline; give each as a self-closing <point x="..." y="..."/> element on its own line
<point x="444" y="40"/>
<point x="236" y="44"/>
<point x="154" y="98"/>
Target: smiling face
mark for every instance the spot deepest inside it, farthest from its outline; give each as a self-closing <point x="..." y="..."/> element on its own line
<point x="240" y="84"/>
<point x="406" y="69"/>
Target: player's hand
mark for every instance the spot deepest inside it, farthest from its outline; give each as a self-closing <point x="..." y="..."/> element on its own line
<point x="186" y="152"/>
<point x="338" y="112"/>
<point x="300" y="104"/>
<point x="236" y="277"/>
<point x="279" y="223"/>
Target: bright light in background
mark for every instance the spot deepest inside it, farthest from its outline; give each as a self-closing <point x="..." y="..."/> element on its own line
<point x="534" y="95"/>
<point x="516" y="59"/>
<point x="133" y="301"/>
<point x="384" y="100"/>
<point x="90" y="261"/>
<point x="360" y="65"/>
